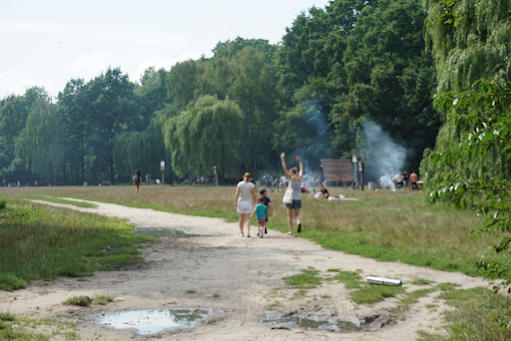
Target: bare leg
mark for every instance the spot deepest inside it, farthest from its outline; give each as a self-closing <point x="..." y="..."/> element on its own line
<point x="248" y="224"/>
<point x="297" y="216"/>
<point x="242" y="220"/>
<point x="138" y="185"/>
<point x="290" y="220"/>
<point x="297" y="219"/>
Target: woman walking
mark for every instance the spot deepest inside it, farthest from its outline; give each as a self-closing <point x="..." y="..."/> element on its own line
<point x="295" y="181"/>
<point x="137" y="178"/>
<point x="245" y="192"/>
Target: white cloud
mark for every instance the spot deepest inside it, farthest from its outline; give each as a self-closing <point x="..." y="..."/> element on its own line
<point x="14" y="26"/>
<point x="160" y="40"/>
<point x="163" y="61"/>
<point x="92" y="64"/>
<point x="14" y="82"/>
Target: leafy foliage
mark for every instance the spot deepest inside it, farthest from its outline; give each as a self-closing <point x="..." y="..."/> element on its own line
<point x="205" y="135"/>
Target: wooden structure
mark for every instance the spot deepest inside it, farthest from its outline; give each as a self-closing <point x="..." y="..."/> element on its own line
<point x="338" y="171"/>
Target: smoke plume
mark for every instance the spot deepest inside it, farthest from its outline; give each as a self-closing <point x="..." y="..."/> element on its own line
<point x="383" y="157"/>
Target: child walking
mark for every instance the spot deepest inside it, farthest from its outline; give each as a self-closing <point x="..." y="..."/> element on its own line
<point x="267" y="202"/>
<point x="260" y="212"/>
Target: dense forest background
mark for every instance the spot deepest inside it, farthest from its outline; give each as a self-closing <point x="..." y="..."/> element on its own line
<point x="335" y="71"/>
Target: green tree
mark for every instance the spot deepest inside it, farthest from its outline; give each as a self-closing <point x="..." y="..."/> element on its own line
<point x="114" y="110"/>
<point x="40" y="143"/>
<point x="74" y="116"/>
<point x="471" y="165"/>
<point x="206" y="134"/>
<point x="14" y="111"/>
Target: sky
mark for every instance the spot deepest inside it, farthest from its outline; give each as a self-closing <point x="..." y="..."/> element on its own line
<point x="48" y="43"/>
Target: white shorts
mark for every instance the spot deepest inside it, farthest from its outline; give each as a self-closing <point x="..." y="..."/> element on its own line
<point x="244" y="207"/>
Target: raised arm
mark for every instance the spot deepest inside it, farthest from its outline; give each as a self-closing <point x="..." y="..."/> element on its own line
<point x="300" y="173"/>
<point x="284" y="167"/>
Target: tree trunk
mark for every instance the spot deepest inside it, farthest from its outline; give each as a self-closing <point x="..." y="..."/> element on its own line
<point x="64" y="176"/>
<point x="112" y="178"/>
<point x="54" y="174"/>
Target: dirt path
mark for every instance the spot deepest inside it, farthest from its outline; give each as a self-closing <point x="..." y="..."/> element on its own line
<point x="243" y="272"/>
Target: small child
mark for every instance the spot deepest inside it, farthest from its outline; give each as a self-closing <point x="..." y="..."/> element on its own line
<point x="267" y="202"/>
<point x="260" y="212"/>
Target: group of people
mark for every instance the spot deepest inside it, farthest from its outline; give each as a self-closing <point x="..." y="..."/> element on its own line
<point x="402" y="180"/>
<point x="245" y="194"/>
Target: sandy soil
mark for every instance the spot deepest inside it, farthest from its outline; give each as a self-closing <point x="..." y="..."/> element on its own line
<point x="243" y="272"/>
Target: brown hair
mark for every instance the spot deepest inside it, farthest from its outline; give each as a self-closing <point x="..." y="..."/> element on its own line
<point x="262" y="191"/>
<point x="247" y="176"/>
<point x="261" y="199"/>
<point x="293" y="170"/>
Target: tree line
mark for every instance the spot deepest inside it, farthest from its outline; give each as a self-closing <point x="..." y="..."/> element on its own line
<point x="335" y="68"/>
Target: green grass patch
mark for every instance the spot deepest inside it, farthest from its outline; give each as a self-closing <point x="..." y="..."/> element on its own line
<point x="412" y="297"/>
<point x="3" y="204"/>
<point x="68" y="202"/>
<point x="6" y="317"/>
<point x="447" y="286"/>
<point x="11" y="282"/>
<point x="351" y="279"/>
<point x="23" y="328"/>
<point x="425" y="336"/>
<point x="42" y="242"/>
<point x="473" y="319"/>
<point x="369" y="294"/>
<point x="102" y="299"/>
<point x="421" y="281"/>
<point x="308" y="279"/>
<point x="81" y="301"/>
<point x="190" y="291"/>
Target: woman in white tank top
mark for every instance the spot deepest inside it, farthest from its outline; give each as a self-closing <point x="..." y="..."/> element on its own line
<point x="295" y="181"/>
<point x="245" y="192"/>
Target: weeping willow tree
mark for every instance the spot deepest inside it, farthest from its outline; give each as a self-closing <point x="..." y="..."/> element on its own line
<point x="141" y="150"/>
<point x="471" y="166"/>
<point x="471" y="41"/>
<point x="39" y="144"/>
<point x="206" y="134"/>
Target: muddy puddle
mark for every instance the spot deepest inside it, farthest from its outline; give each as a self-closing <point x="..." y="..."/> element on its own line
<point x="151" y="322"/>
<point x="313" y="323"/>
<point x="158" y="232"/>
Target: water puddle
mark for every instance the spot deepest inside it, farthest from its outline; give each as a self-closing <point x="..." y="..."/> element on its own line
<point x="158" y="232"/>
<point x="148" y="322"/>
<point x="315" y="323"/>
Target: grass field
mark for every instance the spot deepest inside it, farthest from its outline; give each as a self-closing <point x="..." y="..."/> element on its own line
<point x="41" y="242"/>
<point x="384" y="225"/>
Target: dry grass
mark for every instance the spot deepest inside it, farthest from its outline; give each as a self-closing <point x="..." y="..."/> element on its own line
<point x="383" y="225"/>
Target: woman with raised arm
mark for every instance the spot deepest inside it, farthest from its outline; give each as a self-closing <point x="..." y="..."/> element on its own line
<point x="295" y="181"/>
<point x="245" y="192"/>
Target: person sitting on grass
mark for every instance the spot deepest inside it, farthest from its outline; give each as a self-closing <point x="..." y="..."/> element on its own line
<point x="267" y="202"/>
<point x="260" y="212"/>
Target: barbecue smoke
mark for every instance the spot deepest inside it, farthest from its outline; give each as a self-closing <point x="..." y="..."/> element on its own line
<point x="382" y="156"/>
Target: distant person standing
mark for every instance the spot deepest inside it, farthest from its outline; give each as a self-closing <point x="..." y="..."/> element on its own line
<point x="295" y="181"/>
<point x="137" y="178"/>
<point x="413" y="181"/>
<point x="405" y="179"/>
<point x="245" y="192"/>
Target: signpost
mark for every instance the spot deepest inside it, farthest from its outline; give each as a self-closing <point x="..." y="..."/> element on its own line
<point x="216" y="175"/>
<point x="354" y="160"/>
<point x="162" y="167"/>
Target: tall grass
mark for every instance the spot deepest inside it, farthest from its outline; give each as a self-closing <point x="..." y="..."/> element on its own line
<point x="44" y="242"/>
<point x="384" y="225"/>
